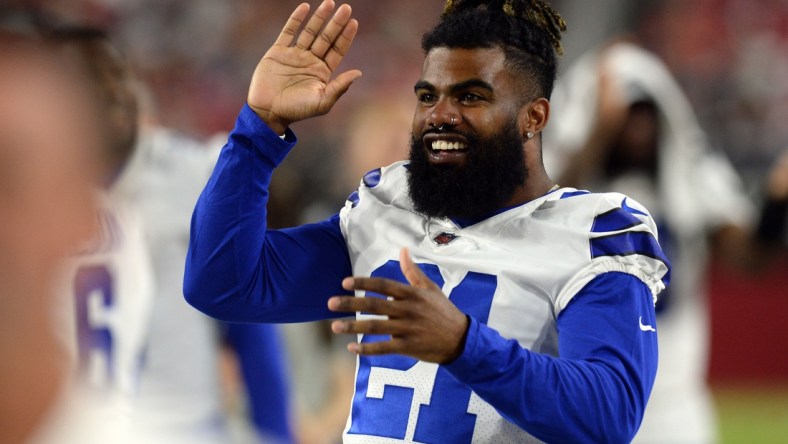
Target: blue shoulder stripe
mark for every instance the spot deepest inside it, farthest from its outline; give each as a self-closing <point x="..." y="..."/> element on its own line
<point x="614" y="220"/>
<point x="574" y="193"/>
<point x="372" y="178"/>
<point x="628" y="243"/>
<point x="354" y="199"/>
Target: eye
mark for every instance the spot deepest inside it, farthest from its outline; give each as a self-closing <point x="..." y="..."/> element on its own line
<point x="470" y="97"/>
<point x="426" y="97"/>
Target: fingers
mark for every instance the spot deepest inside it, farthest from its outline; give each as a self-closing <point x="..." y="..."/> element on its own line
<point x="375" y="348"/>
<point x="292" y="26"/>
<point x="315" y="24"/>
<point x="387" y="287"/>
<point x="341" y="44"/>
<point x="394" y="345"/>
<point x="335" y="28"/>
<point x="413" y="273"/>
<point x="333" y="42"/>
<point x="369" y="304"/>
<point x="370" y="327"/>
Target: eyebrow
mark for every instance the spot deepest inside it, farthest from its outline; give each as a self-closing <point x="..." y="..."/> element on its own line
<point x="471" y="83"/>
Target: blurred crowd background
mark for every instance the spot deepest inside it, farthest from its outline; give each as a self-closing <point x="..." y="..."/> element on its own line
<point x="730" y="56"/>
<point x="197" y="55"/>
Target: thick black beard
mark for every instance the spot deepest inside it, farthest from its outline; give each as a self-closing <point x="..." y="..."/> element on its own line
<point x="487" y="180"/>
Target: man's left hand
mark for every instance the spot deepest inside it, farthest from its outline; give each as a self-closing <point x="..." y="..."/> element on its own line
<point x="422" y="322"/>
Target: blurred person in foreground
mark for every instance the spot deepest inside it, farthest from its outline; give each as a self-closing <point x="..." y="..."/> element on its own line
<point x="48" y="157"/>
<point x="530" y="314"/>
<point x="627" y="126"/>
<point x="105" y="290"/>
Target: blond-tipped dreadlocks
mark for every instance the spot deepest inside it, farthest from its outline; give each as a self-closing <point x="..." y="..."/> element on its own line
<point x="536" y="11"/>
<point x="528" y="31"/>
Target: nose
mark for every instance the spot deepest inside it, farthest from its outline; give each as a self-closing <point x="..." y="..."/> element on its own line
<point x="443" y="116"/>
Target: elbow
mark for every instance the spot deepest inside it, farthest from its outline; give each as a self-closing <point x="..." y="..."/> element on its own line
<point x="620" y="416"/>
<point x="195" y="294"/>
<point x="199" y="291"/>
<point x="624" y="429"/>
<point x="625" y="432"/>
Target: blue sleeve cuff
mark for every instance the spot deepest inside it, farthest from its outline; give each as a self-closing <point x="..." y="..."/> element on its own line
<point x="262" y="137"/>
<point x="480" y="342"/>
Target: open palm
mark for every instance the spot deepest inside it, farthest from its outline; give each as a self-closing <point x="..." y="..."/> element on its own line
<point x="293" y="80"/>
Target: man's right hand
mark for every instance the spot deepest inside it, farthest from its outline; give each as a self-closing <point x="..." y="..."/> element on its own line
<point x="293" y="80"/>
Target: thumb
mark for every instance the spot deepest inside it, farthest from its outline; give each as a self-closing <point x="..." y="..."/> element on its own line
<point x="413" y="273"/>
<point x="339" y="86"/>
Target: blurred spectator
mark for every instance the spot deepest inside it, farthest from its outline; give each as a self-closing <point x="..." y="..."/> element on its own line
<point x="628" y="127"/>
<point x="184" y="396"/>
<point x="729" y="55"/>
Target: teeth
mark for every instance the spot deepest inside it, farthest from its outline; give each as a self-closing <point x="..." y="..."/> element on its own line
<point x="442" y="145"/>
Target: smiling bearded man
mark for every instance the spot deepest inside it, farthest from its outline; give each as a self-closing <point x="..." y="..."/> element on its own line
<point x="478" y="286"/>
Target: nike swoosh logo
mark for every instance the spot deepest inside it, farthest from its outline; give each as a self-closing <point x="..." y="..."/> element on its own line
<point x="645" y="327"/>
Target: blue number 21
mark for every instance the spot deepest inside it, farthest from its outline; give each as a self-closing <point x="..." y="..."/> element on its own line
<point x="442" y="409"/>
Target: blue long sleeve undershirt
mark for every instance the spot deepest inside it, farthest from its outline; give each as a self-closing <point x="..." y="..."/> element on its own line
<point x="237" y="270"/>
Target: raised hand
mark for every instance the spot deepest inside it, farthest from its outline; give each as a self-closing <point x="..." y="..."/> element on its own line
<point x="293" y="80"/>
<point x="422" y="322"/>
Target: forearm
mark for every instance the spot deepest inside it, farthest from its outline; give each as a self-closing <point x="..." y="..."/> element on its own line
<point x="595" y="391"/>
<point x="236" y="269"/>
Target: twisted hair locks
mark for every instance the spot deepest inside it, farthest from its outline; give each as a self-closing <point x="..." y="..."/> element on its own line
<point x="528" y="31"/>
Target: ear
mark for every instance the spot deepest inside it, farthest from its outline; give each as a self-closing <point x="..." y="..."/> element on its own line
<point x="534" y="116"/>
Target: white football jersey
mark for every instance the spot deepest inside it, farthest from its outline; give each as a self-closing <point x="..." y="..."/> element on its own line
<point x="515" y="271"/>
<point x="102" y="308"/>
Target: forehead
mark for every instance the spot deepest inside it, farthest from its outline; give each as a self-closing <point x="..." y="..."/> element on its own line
<point x="446" y="66"/>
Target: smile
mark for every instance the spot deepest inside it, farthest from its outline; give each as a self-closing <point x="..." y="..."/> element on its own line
<point x="444" y="145"/>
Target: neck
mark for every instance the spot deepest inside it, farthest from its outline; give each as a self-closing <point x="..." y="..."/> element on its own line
<point x="536" y="184"/>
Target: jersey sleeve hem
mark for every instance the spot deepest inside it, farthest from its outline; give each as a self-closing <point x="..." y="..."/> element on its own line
<point x="603" y="265"/>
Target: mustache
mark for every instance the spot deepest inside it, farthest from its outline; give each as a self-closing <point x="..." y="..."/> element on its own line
<point x="448" y="131"/>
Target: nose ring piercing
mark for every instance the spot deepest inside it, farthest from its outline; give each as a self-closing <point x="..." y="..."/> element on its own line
<point x="453" y="120"/>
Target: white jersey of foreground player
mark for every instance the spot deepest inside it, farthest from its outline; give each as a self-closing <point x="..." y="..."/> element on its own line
<point x="695" y="192"/>
<point x="523" y="278"/>
<point x="103" y="301"/>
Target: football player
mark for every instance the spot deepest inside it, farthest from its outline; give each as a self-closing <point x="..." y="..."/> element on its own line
<point x="498" y="306"/>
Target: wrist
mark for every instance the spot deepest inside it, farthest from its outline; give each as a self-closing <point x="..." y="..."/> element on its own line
<point x="457" y="352"/>
<point x="276" y="124"/>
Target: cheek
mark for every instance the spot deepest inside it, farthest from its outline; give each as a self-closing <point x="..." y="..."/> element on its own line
<point x="417" y="127"/>
<point x="485" y="124"/>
